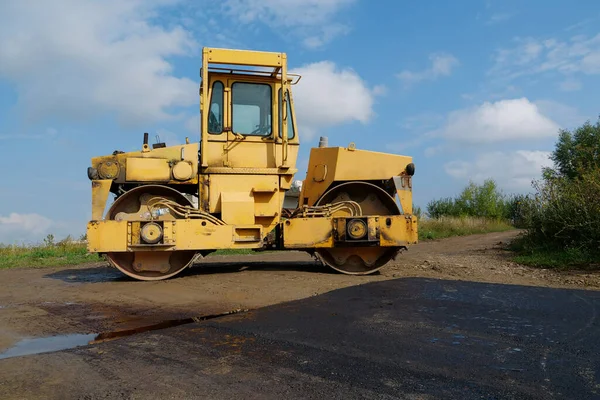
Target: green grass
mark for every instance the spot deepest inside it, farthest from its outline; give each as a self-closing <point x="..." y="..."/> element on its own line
<point x="541" y="257"/>
<point x="45" y="256"/>
<point x="231" y="252"/>
<point x="444" y="227"/>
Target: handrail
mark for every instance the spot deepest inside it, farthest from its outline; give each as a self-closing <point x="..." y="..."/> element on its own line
<point x="255" y="72"/>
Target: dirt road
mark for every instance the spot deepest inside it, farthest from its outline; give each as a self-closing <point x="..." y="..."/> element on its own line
<point x="97" y="298"/>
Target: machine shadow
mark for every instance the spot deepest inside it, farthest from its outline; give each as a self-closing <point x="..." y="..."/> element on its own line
<point x="95" y="274"/>
<point x="226" y="267"/>
<point x="107" y="273"/>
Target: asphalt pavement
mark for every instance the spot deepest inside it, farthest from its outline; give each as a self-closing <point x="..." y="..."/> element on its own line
<point x="409" y="338"/>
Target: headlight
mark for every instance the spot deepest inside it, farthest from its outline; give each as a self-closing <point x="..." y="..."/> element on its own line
<point x="92" y="173"/>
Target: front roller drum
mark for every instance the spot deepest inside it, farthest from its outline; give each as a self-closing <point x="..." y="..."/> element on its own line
<point x="155" y="264"/>
<point x="359" y="260"/>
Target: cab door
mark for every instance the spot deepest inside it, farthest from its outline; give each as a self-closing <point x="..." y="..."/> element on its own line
<point x="251" y="124"/>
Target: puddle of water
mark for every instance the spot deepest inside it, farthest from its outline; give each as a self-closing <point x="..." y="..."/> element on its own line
<point x="47" y="344"/>
<point x="63" y="342"/>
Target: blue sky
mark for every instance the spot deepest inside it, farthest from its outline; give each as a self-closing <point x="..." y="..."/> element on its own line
<point x="472" y="89"/>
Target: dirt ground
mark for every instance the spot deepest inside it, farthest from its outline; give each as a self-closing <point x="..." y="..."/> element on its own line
<point x="96" y="298"/>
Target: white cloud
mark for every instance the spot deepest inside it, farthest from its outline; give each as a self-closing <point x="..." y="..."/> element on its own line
<point x="504" y="120"/>
<point x="81" y="58"/>
<point x="512" y="171"/>
<point x="441" y="65"/>
<point x="579" y="54"/>
<point x="16" y="228"/>
<point x="312" y="20"/>
<point x="327" y="95"/>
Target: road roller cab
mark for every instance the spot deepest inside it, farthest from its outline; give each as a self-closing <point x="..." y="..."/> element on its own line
<point x="227" y="191"/>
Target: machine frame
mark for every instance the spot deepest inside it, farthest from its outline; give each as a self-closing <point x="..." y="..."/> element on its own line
<point x="354" y="210"/>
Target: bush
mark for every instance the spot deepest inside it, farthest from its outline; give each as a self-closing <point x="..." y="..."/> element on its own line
<point x="515" y="210"/>
<point x="564" y="214"/>
<point x="482" y="201"/>
<point x="442" y="208"/>
<point x="563" y="217"/>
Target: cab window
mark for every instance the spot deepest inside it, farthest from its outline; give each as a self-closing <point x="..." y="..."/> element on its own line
<point x="251" y="113"/>
<point x="290" y="121"/>
<point x="215" y="111"/>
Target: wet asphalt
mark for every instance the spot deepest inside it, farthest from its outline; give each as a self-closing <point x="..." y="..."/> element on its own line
<point x="409" y="338"/>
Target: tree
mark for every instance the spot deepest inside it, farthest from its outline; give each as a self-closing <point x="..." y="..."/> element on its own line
<point x="576" y="153"/>
<point x="564" y="214"/>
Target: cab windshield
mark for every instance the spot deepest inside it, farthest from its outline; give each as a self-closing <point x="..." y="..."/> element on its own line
<point x="252" y="108"/>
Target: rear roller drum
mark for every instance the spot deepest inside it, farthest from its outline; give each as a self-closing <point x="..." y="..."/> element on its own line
<point x="148" y="265"/>
<point x="373" y="201"/>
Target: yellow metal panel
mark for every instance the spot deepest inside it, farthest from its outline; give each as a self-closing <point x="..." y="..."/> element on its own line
<point x="148" y="170"/>
<point x="247" y="234"/>
<point x="320" y="172"/>
<point x="237" y="208"/>
<point x="169" y="232"/>
<point x="285" y="181"/>
<point x="204" y="193"/>
<point x="404" y="189"/>
<point x="398" y="230"/>
<point x="267" y="204"/>
<point x="368" y="165"/>
<point x="187" y="152"/>
<point x="106" y="236"/>
<point x="298" y="233"/>
<point x="183" y="170"/>
<point x="343" y="164"/>
<point x="261" y="190"/>
<point x="100" y="191"/>
<point x="243" y="57"/>
<point x="307" y="233"/>
<point x="266" y="185"/>
<point x="250" y="171"/>
<point x="205" y="87"/>
<point x="192" y="235"/>
<point x="249" y="153"/>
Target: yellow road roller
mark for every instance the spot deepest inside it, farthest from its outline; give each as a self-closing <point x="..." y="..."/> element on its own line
<point x="235" y="188"/>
